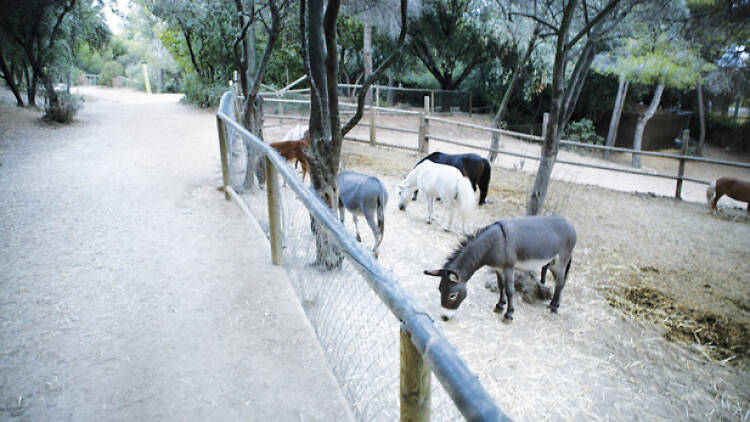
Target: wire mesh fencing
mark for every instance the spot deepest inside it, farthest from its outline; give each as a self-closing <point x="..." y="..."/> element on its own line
<point x="356" y="309"/>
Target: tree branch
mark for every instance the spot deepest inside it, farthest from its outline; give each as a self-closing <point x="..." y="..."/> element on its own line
<point x="554" y="29"/>
<point x="599" y="16"/>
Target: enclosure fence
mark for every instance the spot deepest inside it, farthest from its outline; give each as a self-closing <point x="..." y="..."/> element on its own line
<point x="380" y="344"/>
<point x="419" y="123"/>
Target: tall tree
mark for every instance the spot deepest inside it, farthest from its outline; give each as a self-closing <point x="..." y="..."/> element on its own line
<point x="36" y="27"/>
<point x="658" y="55"/>
<point x="446" y="42"/>
<point x="522" y="36"/>
<point x="319" y="51"/>
<point x="569" y="22"/>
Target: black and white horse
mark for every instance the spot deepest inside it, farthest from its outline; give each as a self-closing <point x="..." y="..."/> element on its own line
<point x="472" y="166"/>
<point x="523" y="243"/>
<point x="366" y="196"/>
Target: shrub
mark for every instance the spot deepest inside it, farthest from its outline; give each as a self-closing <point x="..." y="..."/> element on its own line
<point x="109" y="71"/>
<point x="582" y="131"/>
<point x="67" y="109"/>
<point x="201" y="94"/>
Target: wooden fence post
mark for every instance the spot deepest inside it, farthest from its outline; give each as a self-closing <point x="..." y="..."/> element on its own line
<point x="223" y="152"/>
<point x="274" y="215"/>
<point x="281" y="111"/>
<point x="681" y="169"/>
<point x="545" y="121"/>
<point x="415" y="382"/>
<point x="421" y="139"/>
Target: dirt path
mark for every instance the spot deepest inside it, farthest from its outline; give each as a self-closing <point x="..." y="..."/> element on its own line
<point x="130" y="289"/>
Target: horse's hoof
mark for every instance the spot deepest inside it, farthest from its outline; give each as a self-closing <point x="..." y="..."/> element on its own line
<point x="553" y="308"/>
<point x="359" y="239"/>
<point x="509" y="316"/>
<point x="498" y="309"/>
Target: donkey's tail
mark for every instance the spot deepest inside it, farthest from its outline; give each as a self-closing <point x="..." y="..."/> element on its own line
<point x="484" y="181"/>
<point x="465" y="197"/>
<point x="382" y="202"/>
<point x="567" y="268"/>
<point x="711" y="193"/>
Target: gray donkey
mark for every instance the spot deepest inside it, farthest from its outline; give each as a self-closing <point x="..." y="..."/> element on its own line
<point x="524" y="243"/>
<point x="366" y="196"/>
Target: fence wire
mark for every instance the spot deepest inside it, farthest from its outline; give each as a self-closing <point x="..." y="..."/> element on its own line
<point x="357" y="331"/>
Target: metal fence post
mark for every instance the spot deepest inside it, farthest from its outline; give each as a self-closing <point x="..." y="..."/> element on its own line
<point x="221" y="128"/>
<point x="373" y="141"/>
<point x="281" y="111"/>
<point x="274" y="215"/>
<point x="432" y="100"/>
<point x="415" y="382"/>
<point x="545" y="121"/>
<point x="681" y="169"/>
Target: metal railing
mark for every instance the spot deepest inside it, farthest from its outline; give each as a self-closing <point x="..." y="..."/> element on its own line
<point x="424" y="348"/>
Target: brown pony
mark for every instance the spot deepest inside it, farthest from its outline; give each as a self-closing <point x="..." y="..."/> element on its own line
<point x="293" y="151"/>
<point x="733" y="188"/>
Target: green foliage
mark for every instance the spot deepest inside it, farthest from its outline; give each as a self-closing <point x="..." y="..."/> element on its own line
<point x="67" y="109"/>
<point x="447" y="42"/>
<point x="109" y="71"/>
<point x="725" y="132"/>
<point x="582" y="131"/>
<point x="201" y="94"/>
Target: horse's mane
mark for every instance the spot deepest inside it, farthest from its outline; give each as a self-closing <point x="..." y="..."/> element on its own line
<point x="465" y="242"/>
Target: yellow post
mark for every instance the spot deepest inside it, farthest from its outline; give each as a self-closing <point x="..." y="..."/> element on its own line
<point x="145" y="78"/>
<point x="415" y="383"/>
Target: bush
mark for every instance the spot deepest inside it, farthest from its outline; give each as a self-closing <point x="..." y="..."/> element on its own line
<point x="724" y="131"/>
<point x="67" y="109"/>
<point x="109" y="71"/>
<point x="203" y="95"/>
<point x="582" y="131"/>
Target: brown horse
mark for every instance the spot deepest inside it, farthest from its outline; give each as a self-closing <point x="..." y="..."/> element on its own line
<point x="293" y="151"/>
<point x="733" y="188"/>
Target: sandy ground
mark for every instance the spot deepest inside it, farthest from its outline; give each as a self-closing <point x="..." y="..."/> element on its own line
<point x="131" y="290"/>
<point x="654" y="319"/>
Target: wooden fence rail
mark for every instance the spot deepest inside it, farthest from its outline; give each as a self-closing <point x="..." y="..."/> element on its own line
<point x="424" y="136"/>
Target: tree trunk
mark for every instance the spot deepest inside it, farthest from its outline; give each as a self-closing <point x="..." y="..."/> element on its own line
<point x="69" y="82"/>
<point x="614" y="121"/>
<point x="641" y="124"/>
<point x="31" y="83"/>
<point x="737" y="109"/>
<point x="252" y="120"/>
<point x="8" y="76"/>
<point x="367" y="51"/>
<point x="389" y="96"/>
<point x="551" y="142"/>
<point x="498" y="119"/>
<point x="702" y="121"/>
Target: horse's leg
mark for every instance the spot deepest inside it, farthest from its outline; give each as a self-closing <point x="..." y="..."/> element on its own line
<point x="509" y="291"/>
<point x="341" y="211"/>
<point x="543" y="278"/>
<point x="356" y="226"/>
<point x="370" y="217"/>
<point x="414" y="197"/>
<point x="430" y="203"/>
<point x="501" y="292"/>
<point x="561" y="274"/>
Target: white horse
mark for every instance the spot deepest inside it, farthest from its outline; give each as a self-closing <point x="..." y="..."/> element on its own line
<point x="439" y="181"/>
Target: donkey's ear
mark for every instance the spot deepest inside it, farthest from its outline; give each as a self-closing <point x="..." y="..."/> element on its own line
<point x="434" y="273"/>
